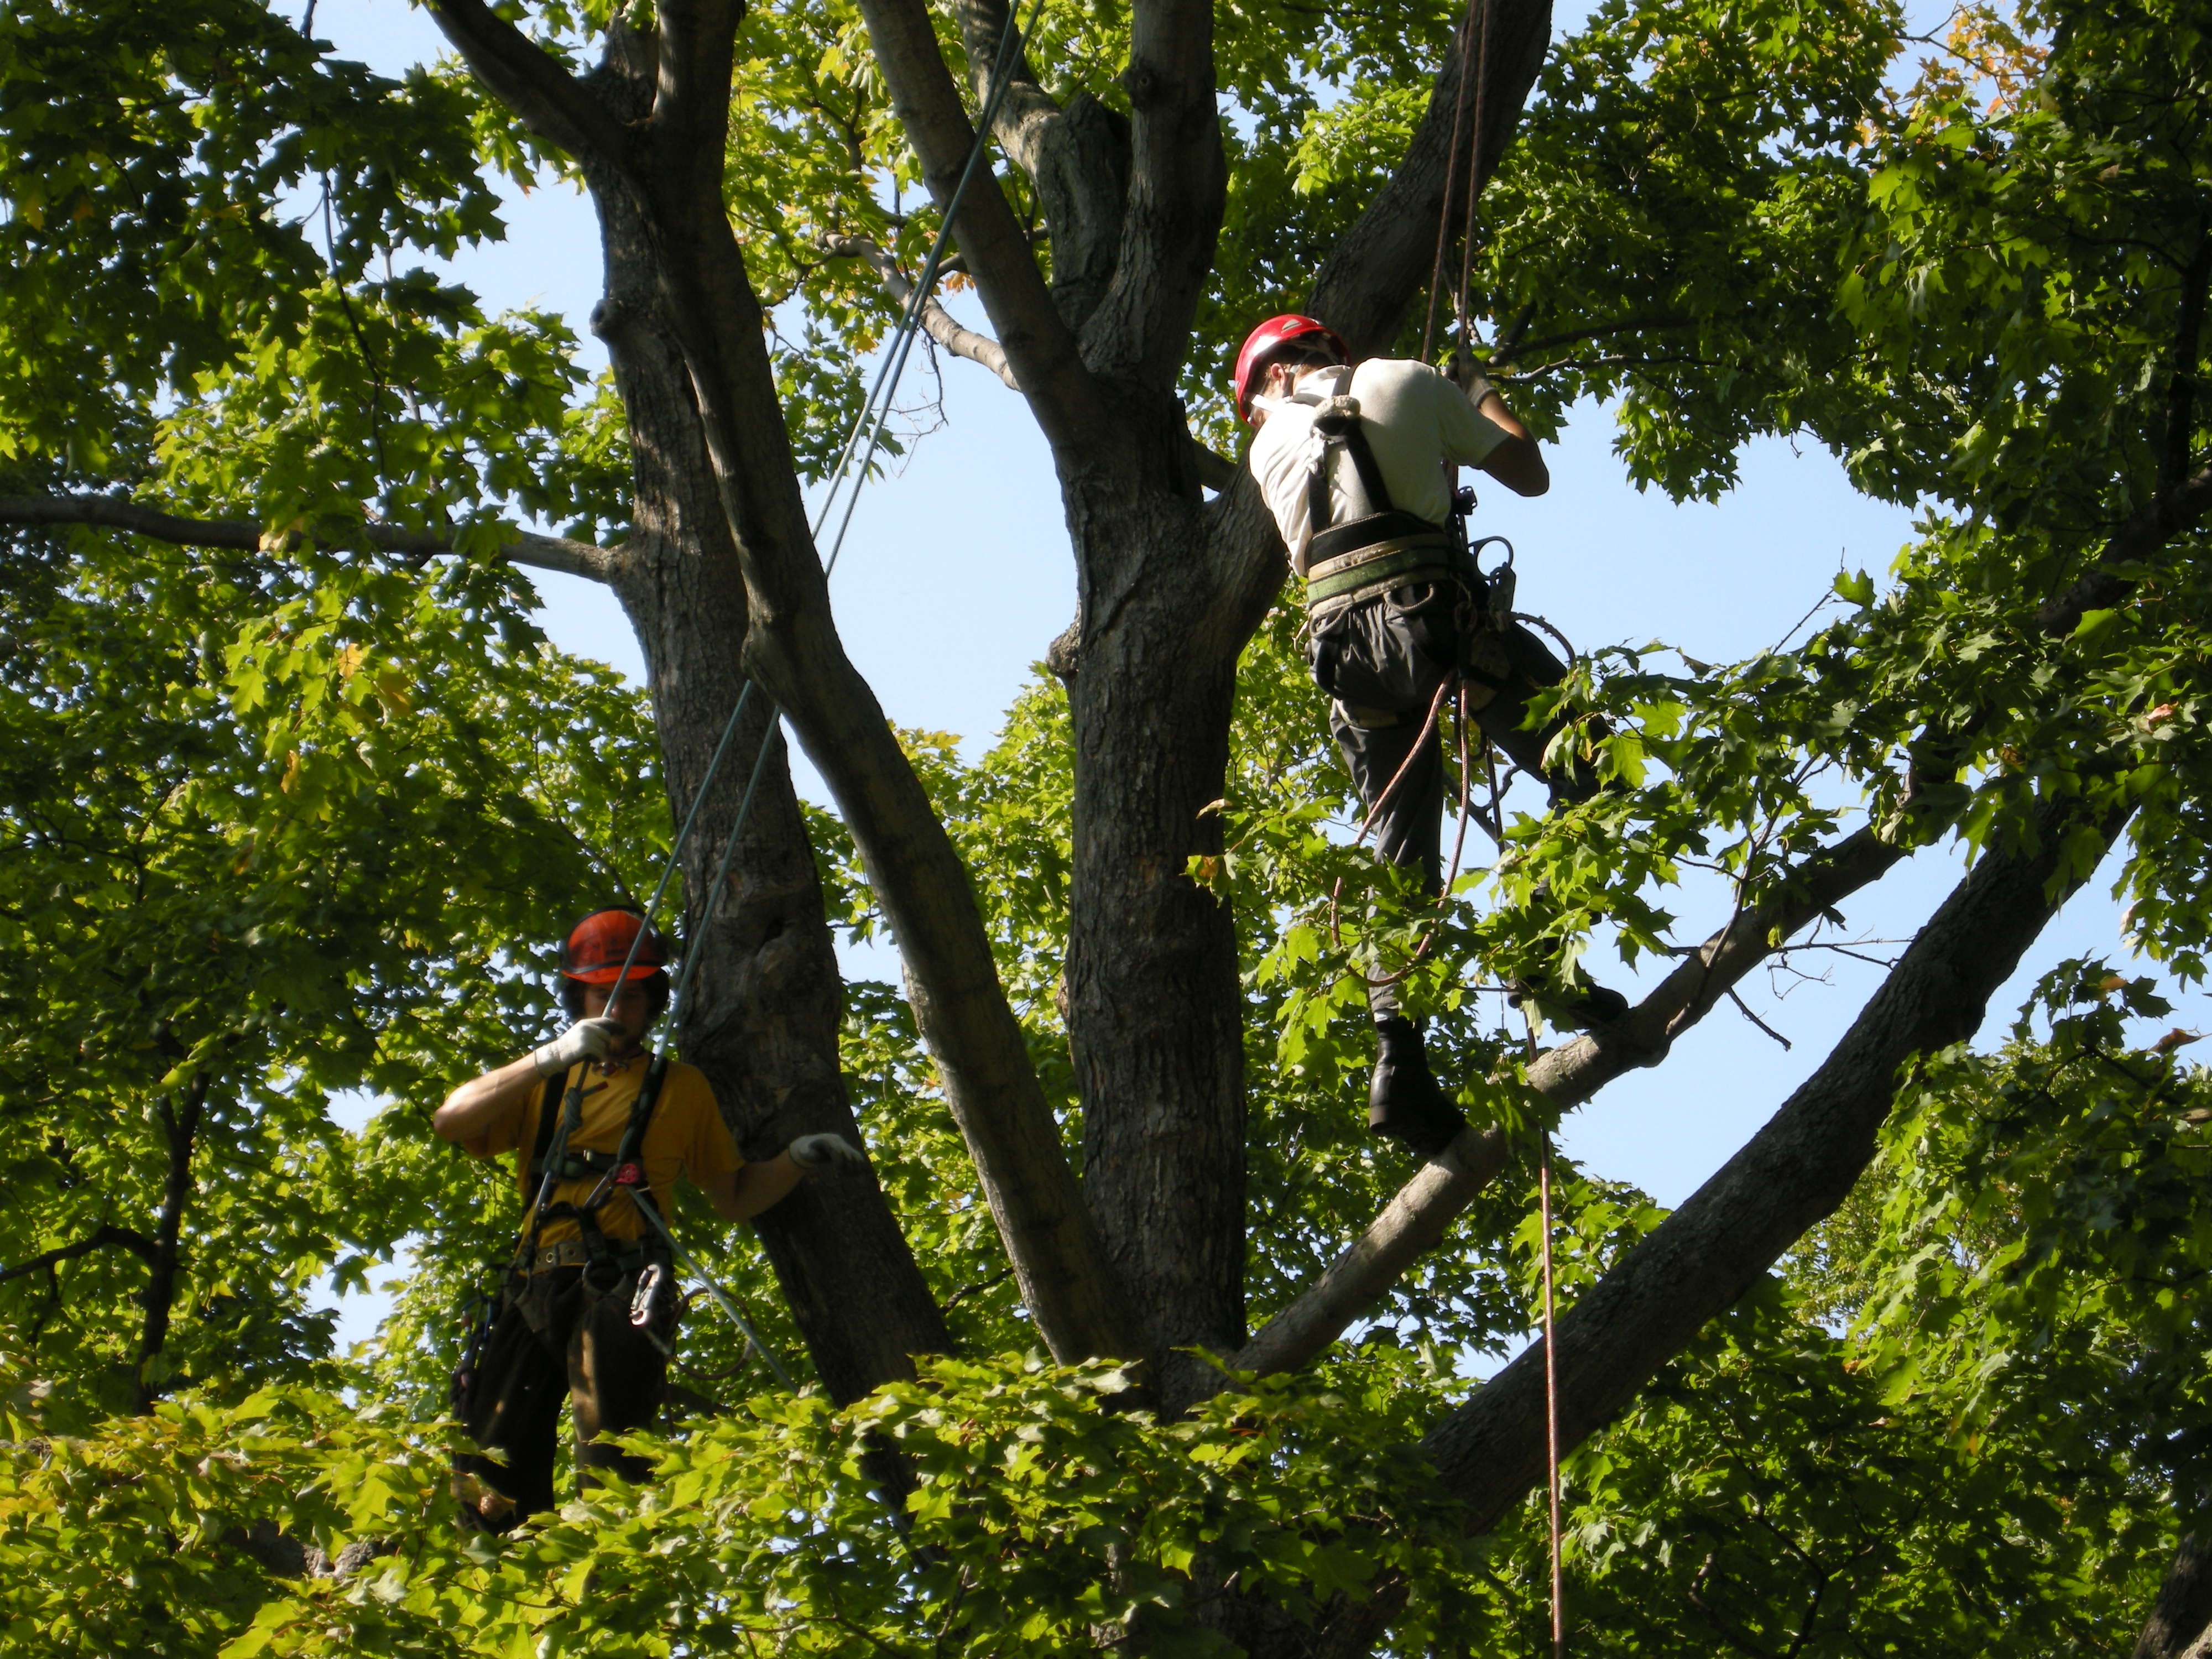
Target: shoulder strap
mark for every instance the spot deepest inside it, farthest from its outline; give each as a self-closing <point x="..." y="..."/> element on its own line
<point x="1343" y="431"/>
<point x="549" y="1112"/>
<point x="633" y="1139"/>
<point x="640" y="1109"/>
<point x="1370" y="470"/>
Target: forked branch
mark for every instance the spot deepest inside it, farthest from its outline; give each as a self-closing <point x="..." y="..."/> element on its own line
<point x="527" y="79"/>
<point x="1040" y="347"/>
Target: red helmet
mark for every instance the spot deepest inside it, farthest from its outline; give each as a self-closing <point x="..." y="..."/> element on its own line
<point x="1262" y="343"/>
<point x="597" y="947"/>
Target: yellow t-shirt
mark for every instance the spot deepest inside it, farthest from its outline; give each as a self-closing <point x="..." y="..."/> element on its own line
<point x="686" y="1136"/>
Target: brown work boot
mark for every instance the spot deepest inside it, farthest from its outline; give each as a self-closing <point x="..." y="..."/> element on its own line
<point x="1405" y="1102"/>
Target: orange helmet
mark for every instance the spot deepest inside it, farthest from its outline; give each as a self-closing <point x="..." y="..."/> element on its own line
<point x="1262" y="343"/>
<point x="595" y="948"/>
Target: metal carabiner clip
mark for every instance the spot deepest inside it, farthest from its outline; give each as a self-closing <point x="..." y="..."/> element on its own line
<point x="647" y="1302"/>
<point x="1500" y="582"/>
<point x="644" y="1302"/>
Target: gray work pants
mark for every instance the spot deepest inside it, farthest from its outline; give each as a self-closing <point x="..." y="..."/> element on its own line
<point x="1381" y="660"/>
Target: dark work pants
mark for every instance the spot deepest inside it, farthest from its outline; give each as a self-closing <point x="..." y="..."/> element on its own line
<point x="555" y="1337"/>
<point x="1382" y="661"/>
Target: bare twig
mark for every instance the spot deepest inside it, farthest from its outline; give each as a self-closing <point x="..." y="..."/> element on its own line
<point x="960" y="341"/>
<point x="1744" y="1008"/>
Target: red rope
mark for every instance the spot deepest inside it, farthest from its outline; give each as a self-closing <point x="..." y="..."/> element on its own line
<point x="1451" y="179"/>
<point x="1473" y="180"/>
<point x="1550" y="1394"/>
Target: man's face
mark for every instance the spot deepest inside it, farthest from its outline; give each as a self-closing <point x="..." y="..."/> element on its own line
<point x="632" y="1007"/>
<point x="1278" y="379"/>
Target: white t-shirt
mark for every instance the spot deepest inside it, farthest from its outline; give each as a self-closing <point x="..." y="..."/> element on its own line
<point x="1416" y="421"/>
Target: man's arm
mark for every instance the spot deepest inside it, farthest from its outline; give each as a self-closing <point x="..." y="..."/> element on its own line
<point x="472" y="1110"/>
<point x="1516" y="461"/>
<point x="743" y="1193"/>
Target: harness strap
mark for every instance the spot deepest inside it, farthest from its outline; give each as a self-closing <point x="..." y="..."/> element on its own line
<point x="1342" y="433"/>
<point x="549" y="1109"/>
<point x="1378" y="568"/>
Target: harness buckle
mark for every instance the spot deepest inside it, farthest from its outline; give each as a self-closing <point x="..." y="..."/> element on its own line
<point x="630" y="1175"/>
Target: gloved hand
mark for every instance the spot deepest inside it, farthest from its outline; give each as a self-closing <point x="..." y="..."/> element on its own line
<point x="587" y="1039"/>
<point x="1466" y="374"/>
<point x="815" y="1153"/>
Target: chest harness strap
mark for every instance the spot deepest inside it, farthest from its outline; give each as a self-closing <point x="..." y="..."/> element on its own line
<point x="1376" y="549"/>
<point x="602" y="1260"/>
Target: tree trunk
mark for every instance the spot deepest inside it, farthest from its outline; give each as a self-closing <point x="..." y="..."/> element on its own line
<point x="762" y="998"/>
<point x="2180" y="1625"/>
<point x="1155" y="1009"/>
<point x="180" y="1127"/>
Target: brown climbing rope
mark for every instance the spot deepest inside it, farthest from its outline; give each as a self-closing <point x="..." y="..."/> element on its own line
<point x="1474" y="66"/>
<point x="1551" y="1398"/>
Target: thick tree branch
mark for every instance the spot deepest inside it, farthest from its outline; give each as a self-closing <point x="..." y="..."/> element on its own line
<point x="1038" y="344"/>
<point x="104" y="1237"/>
<point x="1416" y="1219"/>
<point x="1077" y="159"/>
<point x="551" y="102"/>
<point x="572" y="558"/>
<point x="181" y="1125"/>
<point x="2109" y="580"/>
<point x="2182" y="382"/>
<point x="936" y="321"/>
<point x="1178" y="186"/>
<point x="1382" y="262"/>
<point x="793" y="648"/>
<point x="1794" y="1172"/>
<point x="1027" y="112"/>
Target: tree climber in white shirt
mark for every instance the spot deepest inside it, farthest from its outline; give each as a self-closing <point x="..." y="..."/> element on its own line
<point x="1357" y="465"/>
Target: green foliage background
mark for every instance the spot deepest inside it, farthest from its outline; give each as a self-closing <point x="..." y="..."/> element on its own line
<point x="290" y="824"/>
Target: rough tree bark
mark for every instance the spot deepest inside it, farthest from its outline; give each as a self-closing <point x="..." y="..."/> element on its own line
<point x="671" y="163"/>
<point x="1169" y="592"/>
<point x="763" y="996"/>
<point x="2180" y="1623"/>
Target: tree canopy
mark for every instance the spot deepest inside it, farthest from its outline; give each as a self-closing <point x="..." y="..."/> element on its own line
<point x="1133" y="1338"/>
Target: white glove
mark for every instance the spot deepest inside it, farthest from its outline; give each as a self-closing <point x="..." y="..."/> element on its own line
<point x="1466" y="374"/>
<point x="813" y="1153"/>
<point x="587" y="1039"/>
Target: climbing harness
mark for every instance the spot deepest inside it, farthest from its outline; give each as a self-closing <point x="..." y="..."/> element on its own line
<point x="1378" y="546"/>
<point x="553" y="1156"/>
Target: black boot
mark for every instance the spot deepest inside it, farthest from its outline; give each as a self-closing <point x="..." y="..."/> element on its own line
<point x="1404" y="1100"/>
<point x="1589" y="1007"/>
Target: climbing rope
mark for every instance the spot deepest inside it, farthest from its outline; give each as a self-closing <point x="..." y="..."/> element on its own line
<point x="874" y="412"/>
<point x="1551" y="1398"/>
<point x="1474" y="45"/>
<point x="1474" y="64"/>
<point x="1551" y="1367"/>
